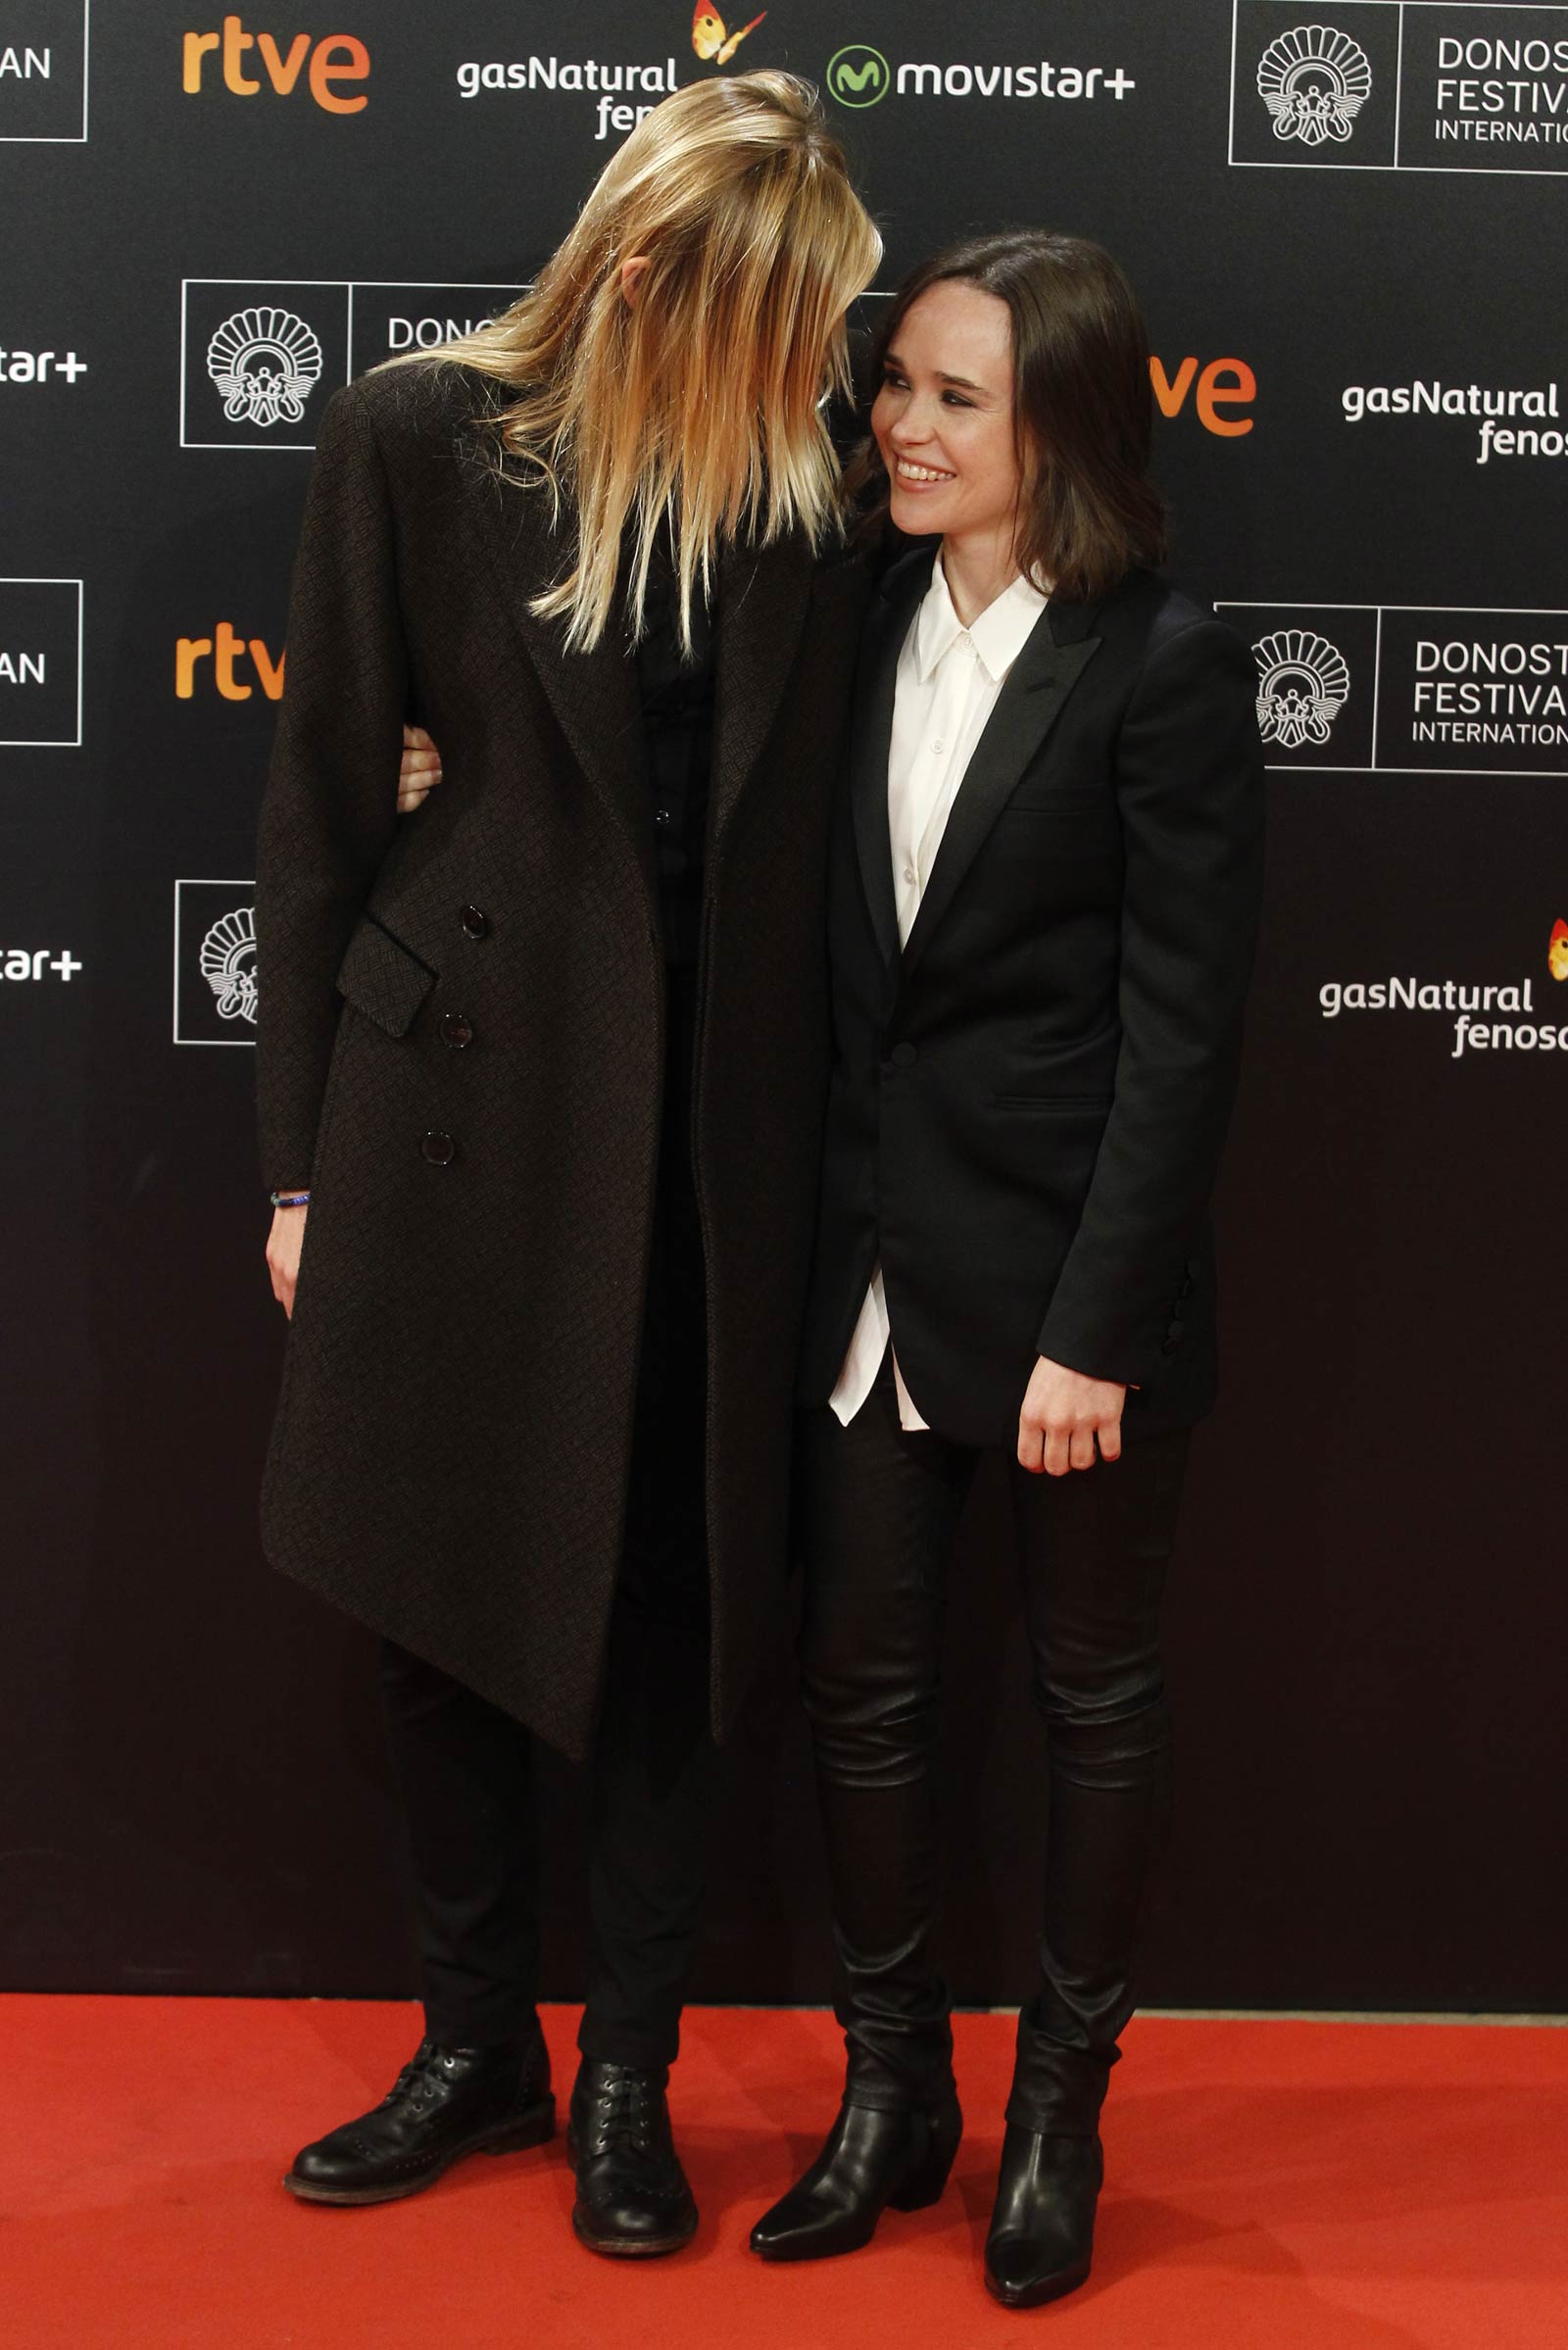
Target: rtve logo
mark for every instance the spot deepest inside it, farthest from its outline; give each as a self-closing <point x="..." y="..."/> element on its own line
<point x="227" y="651"/>
<point x="1222" y="383"/>
<point x="338" y="56"/>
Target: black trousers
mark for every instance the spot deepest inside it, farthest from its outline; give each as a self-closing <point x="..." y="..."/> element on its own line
<point x="879" y="1509"/>
<point x="466" y="1768"/>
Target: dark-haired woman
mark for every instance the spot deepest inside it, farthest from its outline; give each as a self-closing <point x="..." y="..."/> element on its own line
<point x="1042" y="903"/>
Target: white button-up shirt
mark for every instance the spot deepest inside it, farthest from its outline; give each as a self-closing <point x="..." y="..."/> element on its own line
<point x="948" y="682"/>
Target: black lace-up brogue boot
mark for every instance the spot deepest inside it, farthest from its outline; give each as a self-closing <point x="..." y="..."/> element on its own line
<point x="1043" y="2227"/>
<point x="445" y="2103"/>
<point x="632" y="2196"/>
<point x="871" y="2159"/>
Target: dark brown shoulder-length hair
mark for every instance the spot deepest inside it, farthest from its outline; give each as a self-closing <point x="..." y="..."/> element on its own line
<point x="1083" y="404"/>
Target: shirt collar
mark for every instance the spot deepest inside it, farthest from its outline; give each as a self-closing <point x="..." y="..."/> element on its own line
<point x="998" y="635"/>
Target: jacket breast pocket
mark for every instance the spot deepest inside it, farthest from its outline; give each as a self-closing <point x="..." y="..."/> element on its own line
<point x="383" y="979"/>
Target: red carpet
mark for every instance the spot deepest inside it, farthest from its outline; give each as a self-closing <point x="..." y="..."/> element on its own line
<point x="1282" y="2186"/>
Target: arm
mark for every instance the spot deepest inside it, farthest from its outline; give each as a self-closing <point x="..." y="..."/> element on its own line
<point x="1190" y="787"/>
<point x="329" y="813"/>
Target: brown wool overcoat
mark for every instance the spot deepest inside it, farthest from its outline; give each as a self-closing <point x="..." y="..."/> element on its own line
<point x="459" y="1046"/>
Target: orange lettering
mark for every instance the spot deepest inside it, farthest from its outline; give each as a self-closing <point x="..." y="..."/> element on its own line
<point x="235" y="40"/>
<point x="356" y="67"/>
<point x="270" y="675"/>
<point x="283" y="73"/>
<point x="228" y="645"/>
<point x="1213" y="389"/>
<point x="188" y="650"/>
<point x="1172" y="395"/>
<point x="197" y="46"/>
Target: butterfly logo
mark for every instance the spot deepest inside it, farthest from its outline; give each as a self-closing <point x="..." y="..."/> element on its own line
<point x="1558" y="950"/>
<point x="712" y="44"/>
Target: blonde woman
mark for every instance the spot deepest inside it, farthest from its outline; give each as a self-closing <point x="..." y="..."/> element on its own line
<point x="541" y="1083"/>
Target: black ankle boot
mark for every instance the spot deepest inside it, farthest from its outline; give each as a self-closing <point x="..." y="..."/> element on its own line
<point x="871" y="2159"/>
<point x="445" y="2103"/>
<point x="1043" y="2227"/>
<point x="632" y="2195"/>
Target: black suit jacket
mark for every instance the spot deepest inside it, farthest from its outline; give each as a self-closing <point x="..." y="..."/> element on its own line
<point x="1028" y="1101"/>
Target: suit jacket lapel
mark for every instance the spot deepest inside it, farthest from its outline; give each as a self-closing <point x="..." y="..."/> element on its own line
<point x="871" y="731"/>
<point x="1026" y="709"/>
<point x="764" y="597"/>
<point x="593" y="695"/>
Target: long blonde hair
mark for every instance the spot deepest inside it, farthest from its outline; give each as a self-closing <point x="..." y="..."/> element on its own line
<point x="700" y="400"/>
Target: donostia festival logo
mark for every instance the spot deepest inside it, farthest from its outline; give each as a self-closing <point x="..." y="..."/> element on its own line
<point x="266" y="363"/>
<point x="1558" y="950"/>
<point x="713" y="43"/>
<point x="228" y="965"/>
<point x="858" y="76"/>
<point x="1314" y="83"/>
<point x="1303" y="683"/>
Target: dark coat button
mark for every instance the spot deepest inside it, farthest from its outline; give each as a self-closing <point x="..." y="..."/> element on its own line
<point x="475" y="924"/>
<point x="456" y="1030"/>
<point x="439" y="1148"/>
<point x="1173" y="1335"/>
<point x="905" y="1056"/>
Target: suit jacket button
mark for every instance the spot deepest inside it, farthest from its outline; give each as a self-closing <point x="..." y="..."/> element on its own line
<point x="439" y="1148"/>
<point x="476" y="926"/>
<point x="1173" y="1336"/>
<point x="456" y="1030"/>
<point x="905" y="1056"/>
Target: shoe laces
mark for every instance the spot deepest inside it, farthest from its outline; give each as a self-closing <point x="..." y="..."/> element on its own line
<point x="423" y="2079"/>
<point x="624" y="2113"/>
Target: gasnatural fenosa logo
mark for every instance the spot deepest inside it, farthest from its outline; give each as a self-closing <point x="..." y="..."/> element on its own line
<point x="1314" y="83"/>
<point x="713" y="43"/>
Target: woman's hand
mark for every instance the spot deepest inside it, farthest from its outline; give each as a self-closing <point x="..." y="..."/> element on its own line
<point x="283" y="1244"/>
<point x="1063" y="1416"/>
<point x="420" y="770"/>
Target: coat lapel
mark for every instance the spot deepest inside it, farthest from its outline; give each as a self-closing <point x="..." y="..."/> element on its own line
<point x="871" y="732"/>
<point x="1026" y="709"/>
<point x="764" y="597"/>
<point x="593" y="695"/>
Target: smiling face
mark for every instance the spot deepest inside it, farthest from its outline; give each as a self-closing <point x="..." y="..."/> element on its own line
<point x="943" y="417"/>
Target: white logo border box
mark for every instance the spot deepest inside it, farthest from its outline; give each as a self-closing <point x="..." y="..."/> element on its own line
<point x="204" y="881"/>
<point x="57" y="742"/>
<point x="62" y="138"/>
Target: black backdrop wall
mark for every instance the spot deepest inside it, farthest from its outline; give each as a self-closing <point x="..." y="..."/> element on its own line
<point x="1346" y="224"/>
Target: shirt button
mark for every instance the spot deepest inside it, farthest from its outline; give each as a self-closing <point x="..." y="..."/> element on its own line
<point x="939" y="748"/>
<point x="910" y="874"/>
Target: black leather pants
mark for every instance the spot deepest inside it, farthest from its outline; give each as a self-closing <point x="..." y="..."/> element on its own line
<point x="879" y="1511"/>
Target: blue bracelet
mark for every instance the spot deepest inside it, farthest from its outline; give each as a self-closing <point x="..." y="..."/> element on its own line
<point x="290" y="1198"/>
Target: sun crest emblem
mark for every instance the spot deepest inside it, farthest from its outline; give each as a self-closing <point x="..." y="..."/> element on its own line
<point x="266" y="363"/>
<point x="1314" y="83"/>
<point x="713" y="44"/>
<point x="228" y="965"/>
<point x="1303" y="682"/>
